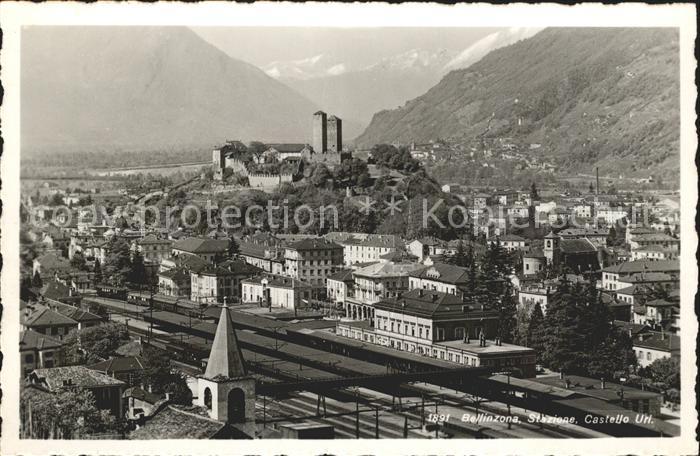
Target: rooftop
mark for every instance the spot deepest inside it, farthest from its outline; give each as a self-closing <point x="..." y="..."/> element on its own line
<point x="388" y="269"/>
<point x="56" y="378"/>
<point x="593" y="388"/>
<point x="490" y="349"/>
<point x="119" y="365"/>
<point x="48" y="317"/>
<point x="178" y="422"/>
<point x="432" y="304"/>
<point x="442" y="272"/>
<point x="201" y="245"/>
<point x="630" y="267"/>
<point x="32" y="340"/>
<point x="314" y="244"/>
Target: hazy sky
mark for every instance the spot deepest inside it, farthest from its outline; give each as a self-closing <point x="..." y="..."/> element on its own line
<point x="355" y="46"/>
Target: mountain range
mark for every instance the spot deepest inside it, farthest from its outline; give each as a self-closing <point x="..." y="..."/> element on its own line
<point x="111" y="88"/>
<point x="606" y="97"/>
<point x="357" y="93"/>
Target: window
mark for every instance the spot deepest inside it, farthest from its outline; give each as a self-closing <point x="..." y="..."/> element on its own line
<point x="29" y="358"/>
<point x="648" y="356"/>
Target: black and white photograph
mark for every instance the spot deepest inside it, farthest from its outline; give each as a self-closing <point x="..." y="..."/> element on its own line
<point x="269" y="230"/>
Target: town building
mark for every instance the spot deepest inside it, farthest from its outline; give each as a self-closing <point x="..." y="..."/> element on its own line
<point x="652" y="345"/>
<point x="510" y="242"/>
<point x="269" y="290"/>
<point x="153" y="248"/>
<point x="38" y="351"/>
<point x="214" y="284"/>
<point x="440" y="325"/>
<point x="263" y="251"/>
<point x="364" y="248"/>
<point x="613" y="214"/>
<point x="207" y="249"/>
<point x="611" y="275"/>
<point x="312" y="260"/>
<point x="175" y="282"/>
<point x="372" y="283"/>
<point x="128" y="369"/>
<point x="340" y="286"/>
<point x="106" y="390"/>
<point x="442" y="277"/>
<point x="597" y="236"/>
<point x="654" y="253"/>
<point x="47" y="322"/>
<point x="578" y="255"/>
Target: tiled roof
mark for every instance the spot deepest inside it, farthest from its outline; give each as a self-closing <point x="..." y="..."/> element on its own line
<point x="534" y="253"/>
<point x="630" y="267"/>
<point x="57" y="378"/>
<point x="657" y="237"/>
<point x="583" y="232"/>
<point x="177" y="274"/>
<point x="133" y="348"/>
<point x="288" y="147"/>
<point x="646" y="277"/>
<point x="389" y="269"/>
<point x="344" y="275"/>
<point x="314" y="244"/>
<point x="201" y="245"/>
<point x="32" y="340"/>
<point x="507" y="237"/>
<point x="55" y="290"/>
<point x="576" y="246"/>
<point x="278" y="281"/>
<point x="443" y="272"/>
<point x="51" y="261"/>
<point x="118" y="365"/>
<point x="431" y="304"/>
<point x="152" y="239"/>
<point x="178" y="422"/>
<point x="141" y="394"/>
<point x="48" y="317"/>
<point x="78" y="315"/>
<point x="658" y="341"/>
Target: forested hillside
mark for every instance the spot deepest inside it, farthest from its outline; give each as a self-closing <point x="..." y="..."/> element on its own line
<point x="591" y="97"/>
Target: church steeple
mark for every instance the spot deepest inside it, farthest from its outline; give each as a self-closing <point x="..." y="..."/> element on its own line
<point x="225" y="358"/>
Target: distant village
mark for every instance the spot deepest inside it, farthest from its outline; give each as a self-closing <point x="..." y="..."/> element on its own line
<point x="172" y="331"/>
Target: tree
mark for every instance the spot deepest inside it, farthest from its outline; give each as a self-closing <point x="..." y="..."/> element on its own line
<point x="159" y="376"/>
<point x="66" y="414"/>
<point x="233" y="247"/>
<point x="78" y="261"/>
<point x="137" y="273"/>
<point x="664" y="373"/>
<point x="320" y="175"/>
<point x="536" y="331"/>
<point x="534" y="196"/>
<point x="36" y="280"/>
<point x="563" y="342"/>
<point x="97" y="271"/>
<point x="591" y="189"/>
<point x="93" y="344"/>
<point x="118" y="261"/>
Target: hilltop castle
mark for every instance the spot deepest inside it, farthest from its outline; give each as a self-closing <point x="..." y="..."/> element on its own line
<point x="283" y="160"/>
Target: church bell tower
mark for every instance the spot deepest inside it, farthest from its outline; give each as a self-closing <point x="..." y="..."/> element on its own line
<point x="226" y="390"/>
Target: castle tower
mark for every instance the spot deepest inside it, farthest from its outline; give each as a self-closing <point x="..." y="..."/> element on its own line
<point x="551" y="248"/>
<point x="218" y="160"/>
<point x="225" y="389"/>
<point x="320" y="140"/>
<point x="335" y="134"/>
